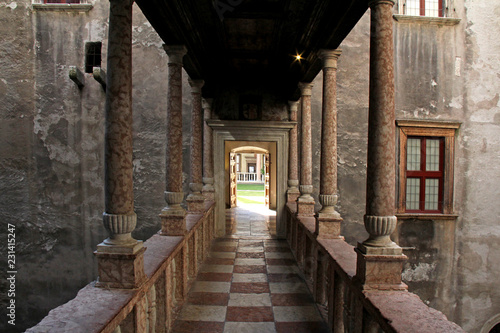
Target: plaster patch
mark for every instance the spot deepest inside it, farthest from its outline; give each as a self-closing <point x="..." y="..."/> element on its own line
<point x="456" y="102"/>
<point x="421" y="272"/>
<point x="137" y="165"/>
<point x="12" y="5"/>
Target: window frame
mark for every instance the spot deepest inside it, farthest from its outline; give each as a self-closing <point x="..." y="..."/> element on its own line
<point x="69" y="2"/>
<point x="423" y="174"/>
<point x="428" y="129"/>
<point x="441" y="9"/>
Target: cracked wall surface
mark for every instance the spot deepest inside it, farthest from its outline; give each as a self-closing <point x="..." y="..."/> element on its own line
<point x="52" y="141"/>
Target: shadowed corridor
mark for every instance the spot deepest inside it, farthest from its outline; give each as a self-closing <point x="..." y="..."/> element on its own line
<point x="250" y="282"/>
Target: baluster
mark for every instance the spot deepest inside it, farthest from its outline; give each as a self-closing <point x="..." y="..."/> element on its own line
<point x="151" y="305"/>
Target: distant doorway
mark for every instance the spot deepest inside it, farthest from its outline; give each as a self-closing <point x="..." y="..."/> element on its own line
<point x="228" y="135"/>
<point x="250" y="176"/>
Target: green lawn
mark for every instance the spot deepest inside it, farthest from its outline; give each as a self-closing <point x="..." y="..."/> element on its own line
<point x="249" y="201"/>
<point x="250" y="187"/>
<point x="250" y="193"/>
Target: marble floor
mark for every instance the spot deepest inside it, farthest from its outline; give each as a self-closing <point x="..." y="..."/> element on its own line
<point x="249" y="283"/>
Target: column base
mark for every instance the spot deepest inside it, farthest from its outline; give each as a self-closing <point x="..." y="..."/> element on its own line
<point x="173" y="222"/>
<point x="328" y="226"/>
<point x="120" y="266"/>
<point x="292" y="194"/>
<point x="380" y="268"/>
<point x="208" y="190"/>
<point x="195" y="203"/>
<point x="305" y="206"/>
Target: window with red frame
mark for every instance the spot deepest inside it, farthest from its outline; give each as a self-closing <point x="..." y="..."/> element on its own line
<point x="61" y="1"/>
<point x="424" y="174"/>
<point x="432" y="8"/>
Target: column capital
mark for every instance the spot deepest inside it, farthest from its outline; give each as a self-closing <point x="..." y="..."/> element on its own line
<point x="175" y="53"/>
<point x="306" y="88"/>
<point x="206" y="103"/>
<point x="329" y="57"/>
<point x="373" y="3"/>
<point x="293" y="106"/>
<point x="196" y="85"/>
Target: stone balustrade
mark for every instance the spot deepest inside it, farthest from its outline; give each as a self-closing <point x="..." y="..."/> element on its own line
<point x="171" y="264"/>
<point x="329" y="268"/>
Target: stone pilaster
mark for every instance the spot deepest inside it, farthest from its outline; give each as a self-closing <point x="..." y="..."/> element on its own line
<point x="380" y="260"/>
<point x="305" y="203"/>
<point x="293" y="192"/>
<point x="120" y="257"/>
<point x="328" y="220"/>
<point x="196" y="201"/>
<point x="173" y="215"/>
<point x="208" y="160"/>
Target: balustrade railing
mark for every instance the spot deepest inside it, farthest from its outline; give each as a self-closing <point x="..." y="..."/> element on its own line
<point x="250" y="177"/>
<point x="171" y="264"/>
<point x="329" y="267"/>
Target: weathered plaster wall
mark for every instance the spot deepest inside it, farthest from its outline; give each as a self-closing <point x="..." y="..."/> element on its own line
<point x="479" y="227"/>
<point x="52" y="136"/>
<point x="51" y="151"/>
<point x="16" y="123"/>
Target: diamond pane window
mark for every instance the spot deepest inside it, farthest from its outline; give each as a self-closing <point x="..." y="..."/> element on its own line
<point x="432" y="155"/>
<point x="424" y="174"/>
<point x="426" y="155"/>
<point x="430" y="8"/>
<point x="431" y="194"/>
<point x="412" y="193"/>
<point x="413" y="159"/>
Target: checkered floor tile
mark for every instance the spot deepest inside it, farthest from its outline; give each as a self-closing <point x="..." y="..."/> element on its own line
<point x="249" y="283"/>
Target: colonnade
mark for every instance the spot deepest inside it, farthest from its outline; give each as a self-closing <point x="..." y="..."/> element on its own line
<point x="120" y="256"/>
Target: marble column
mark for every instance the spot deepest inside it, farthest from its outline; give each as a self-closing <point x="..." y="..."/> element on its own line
<point x="208" y="159"/>
<point x="196" y="201"/>
<point x="380" y="260"/>
<point x="305" y="203"/>
<point x="293" y="192"/>
<point x="173" y="215"/>
<point x="328" y="220"/>
<point x="120" y="257"/>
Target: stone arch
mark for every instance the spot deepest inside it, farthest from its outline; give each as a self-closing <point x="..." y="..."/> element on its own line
<point x="266" y="131"/>
<point x="492" y="325"/>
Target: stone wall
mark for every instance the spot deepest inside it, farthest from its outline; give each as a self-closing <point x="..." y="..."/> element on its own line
<point x="52" y="132"/>
<point x="478" y="237"/>
<point x="52" y="136"/>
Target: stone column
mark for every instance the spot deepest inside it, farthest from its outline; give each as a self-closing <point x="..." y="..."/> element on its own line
<point x="196" y="201"/>
<point x="380" y="260"/>
<point x="293" y="192"/>
<point x="328" y="220"/>
<point x="173" y="215"/>
<point x="120" y="257"/>
<point x="305" y="203"/>
<point x="208" y="160"/>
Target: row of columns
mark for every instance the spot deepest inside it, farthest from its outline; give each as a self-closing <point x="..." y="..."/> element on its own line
<point x="377" y="253"/>
<point x="120" y="257"/>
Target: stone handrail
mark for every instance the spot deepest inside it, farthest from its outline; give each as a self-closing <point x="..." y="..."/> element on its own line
<point x="250" y="177"/>
<point x="171" y="264"/>
<point x="329" y="268"/>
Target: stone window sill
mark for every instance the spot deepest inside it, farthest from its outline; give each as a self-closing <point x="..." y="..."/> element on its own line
<point x="414" y="216"/>
<point x="62" y="7"/>
<point x="426" y="19"/>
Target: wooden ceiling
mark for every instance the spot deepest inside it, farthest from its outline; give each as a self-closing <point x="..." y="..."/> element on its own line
<point x="244" y="44"/>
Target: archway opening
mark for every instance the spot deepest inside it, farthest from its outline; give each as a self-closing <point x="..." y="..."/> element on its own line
<point x="250" y="188"/>
<point x="495" y="329"/>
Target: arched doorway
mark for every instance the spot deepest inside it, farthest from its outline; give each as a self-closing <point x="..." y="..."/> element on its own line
<point x="251" y="167"/>
<point x="250" y="131"/>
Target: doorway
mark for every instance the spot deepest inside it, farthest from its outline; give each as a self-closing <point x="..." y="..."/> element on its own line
<point x="228" y="132"/>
